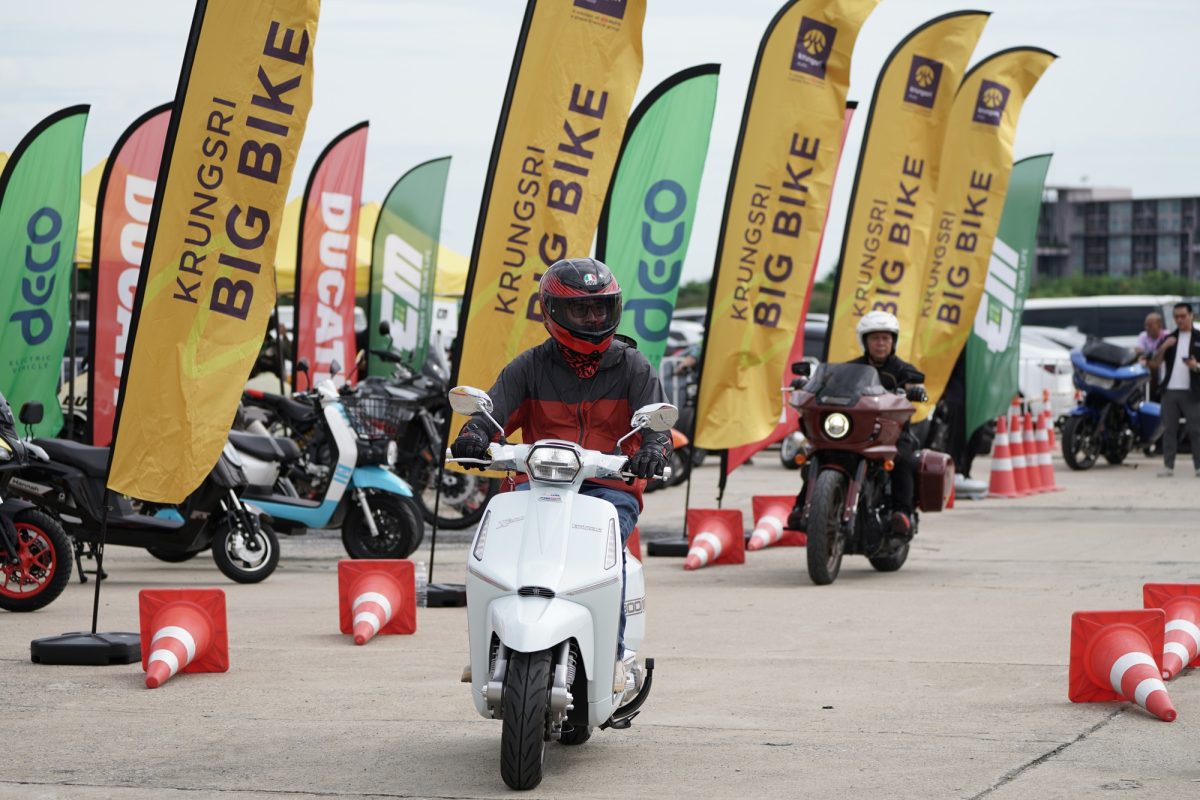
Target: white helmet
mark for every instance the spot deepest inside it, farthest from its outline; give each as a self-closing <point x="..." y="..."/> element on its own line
<point x="875" y="321"/>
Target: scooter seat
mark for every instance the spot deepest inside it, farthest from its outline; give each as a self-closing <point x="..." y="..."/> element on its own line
<point x="294" y="411"/>
<point x="267" y="448"/>
<point x="92" y="461"/>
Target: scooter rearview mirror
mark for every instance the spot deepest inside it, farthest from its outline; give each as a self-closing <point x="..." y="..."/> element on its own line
<point x="802" y="368"/>
<point x="467" y="400"/>
<point x="302" y="366"/>
<point x="385" y="328"/>
<point x="335" y="367"/>
<point x="657" y="417"/>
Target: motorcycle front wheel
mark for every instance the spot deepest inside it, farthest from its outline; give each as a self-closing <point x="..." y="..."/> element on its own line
<point x="40" y="569"/>
<point x="245" y="556"/>
<point x="397" y="519"/>
<point x="826" y="541"/>
<point x="1079" y="443"/>
<point x="526" y="706"/>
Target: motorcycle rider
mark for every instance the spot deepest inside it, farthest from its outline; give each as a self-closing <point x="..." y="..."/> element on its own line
<point x="878" y="331"/>
<point x="581" y="385"/>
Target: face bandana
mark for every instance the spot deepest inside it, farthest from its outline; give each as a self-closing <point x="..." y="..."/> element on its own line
<point x="584" y="364"/>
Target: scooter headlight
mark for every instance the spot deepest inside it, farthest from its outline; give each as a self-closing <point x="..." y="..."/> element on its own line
<point x="836" y="425"/>
<point x="481" y="537"/>
<point x="553" y="464"/>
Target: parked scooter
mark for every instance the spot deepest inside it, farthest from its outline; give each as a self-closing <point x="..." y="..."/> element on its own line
<point x="35" y="553"/>
<point x="1113" y="417"/>
<point x="544" y="587"/>
<point x="853" y="425"/>
<point x="70" y="487"/>
<point x="423" y="396"/>
<point x="340" y="473"/>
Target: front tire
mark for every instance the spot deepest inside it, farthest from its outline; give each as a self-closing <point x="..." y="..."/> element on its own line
<point x="245" y="556"/>
<point x="40" y="569"/>
<point x="826" y="540"/>
<point x="526" y="705"/>
<point x="1078" y="442"/>
<point x="398" y="520"/>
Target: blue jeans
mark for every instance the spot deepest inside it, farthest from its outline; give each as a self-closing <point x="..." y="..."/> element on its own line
<point x="627" y="517"/>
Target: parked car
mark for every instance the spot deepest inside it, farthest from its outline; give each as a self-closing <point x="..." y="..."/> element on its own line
<point x="1044" y="364"/>
<point x="1115" y="318"/>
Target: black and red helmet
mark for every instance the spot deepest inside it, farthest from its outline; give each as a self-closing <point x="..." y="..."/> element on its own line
<point x="581" y="304"/>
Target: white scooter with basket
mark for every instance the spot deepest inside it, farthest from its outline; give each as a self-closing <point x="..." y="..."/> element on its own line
<point x="543" y="598"/>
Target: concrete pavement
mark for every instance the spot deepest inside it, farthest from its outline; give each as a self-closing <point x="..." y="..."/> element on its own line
<point x="945" y="680"/>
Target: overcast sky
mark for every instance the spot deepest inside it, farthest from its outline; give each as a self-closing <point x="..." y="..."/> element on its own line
<point x="1119" y="108"/>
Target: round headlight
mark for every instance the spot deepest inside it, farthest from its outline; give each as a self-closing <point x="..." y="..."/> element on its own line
<point x="393" y="453"/>
<point x="836" y="425"/>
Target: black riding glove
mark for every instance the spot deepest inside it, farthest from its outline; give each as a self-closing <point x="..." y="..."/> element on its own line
<point x="648" y="462"/>
<point x="470" y="444"/>
<point x="916" y="394"/>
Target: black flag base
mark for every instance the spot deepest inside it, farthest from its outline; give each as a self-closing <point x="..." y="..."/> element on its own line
<point x="87" y="649"/>
<point x="445" y="595"/>
<point x="671" y="548"/>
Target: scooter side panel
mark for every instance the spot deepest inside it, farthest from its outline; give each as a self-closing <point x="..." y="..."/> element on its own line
<point x="635" y="604"/>
<point x="375" y="477"/>
<point x="309" y="517"/>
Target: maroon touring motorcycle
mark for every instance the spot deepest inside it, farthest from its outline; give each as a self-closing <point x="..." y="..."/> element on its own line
<point x="853" y="424"/>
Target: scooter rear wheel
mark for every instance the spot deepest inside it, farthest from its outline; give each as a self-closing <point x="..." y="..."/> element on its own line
<point x="526" y="705"/>
<point x="40" y="569"/>
<point x="826" y="541"/>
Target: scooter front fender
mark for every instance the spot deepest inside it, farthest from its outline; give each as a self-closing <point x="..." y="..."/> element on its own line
<point x="530" y="624"/>
<point x="382" y="479"/>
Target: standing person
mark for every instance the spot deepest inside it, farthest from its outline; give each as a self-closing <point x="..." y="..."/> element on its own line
<point x="1147" y="342"/>
<point x="1180" y="353"/>
<point x="581" y="385"/>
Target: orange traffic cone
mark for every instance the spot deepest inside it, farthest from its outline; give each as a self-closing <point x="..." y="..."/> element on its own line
<point x="714" y="537"/>
<point x="1045" y="460"/>
<point x="183" y="630"/>
<point x="1002" y="483"/>
<point x="1112" y="659"/>
<point x="634" y="545"/>
<point x="770" y="515"/>
<point x="1033" y="469"/>
<point x="376" y="596"/>
<point x="1016" y="446"/>
<point x="1048" y="417"/>
<point x="1181" y="604"/>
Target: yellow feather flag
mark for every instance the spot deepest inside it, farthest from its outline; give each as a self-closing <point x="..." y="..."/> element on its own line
<point x="891" y="206"/>
<point x="977" y="159"/>
<point x="207" y="284"/>
<point x="779" y="191"/>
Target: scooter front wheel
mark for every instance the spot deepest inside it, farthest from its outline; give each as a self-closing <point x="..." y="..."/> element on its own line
<point x="40" y="569"/>
<point x="526" y="706"/>
<point x="245" y="556"/>
<point x="826" y="541"/>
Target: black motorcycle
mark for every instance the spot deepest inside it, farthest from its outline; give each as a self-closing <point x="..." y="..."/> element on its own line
<point x="422" y="396"/>
<point x="35" y="553"/>
<point x="70" y="487"/>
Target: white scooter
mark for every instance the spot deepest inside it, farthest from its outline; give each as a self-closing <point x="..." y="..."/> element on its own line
<point x="543" y="598"/>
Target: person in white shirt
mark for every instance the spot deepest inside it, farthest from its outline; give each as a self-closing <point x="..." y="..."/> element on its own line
<point x="1180" y="354"/>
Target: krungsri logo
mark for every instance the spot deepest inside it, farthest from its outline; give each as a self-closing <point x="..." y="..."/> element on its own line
<point x="989" y="106"/>
<point x="814" y="45"/>
<point x="924" y="75"/>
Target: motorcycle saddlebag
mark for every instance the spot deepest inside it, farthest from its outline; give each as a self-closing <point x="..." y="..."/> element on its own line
<point x="935" y="480"/>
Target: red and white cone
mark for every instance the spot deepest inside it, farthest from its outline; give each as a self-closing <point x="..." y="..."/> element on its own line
<point x="1033" y="466"/>
<point x="1180" y="603"/>
<point x="770" y="521"/>
<point x="376" y="596"/>
<point x="1001" y="483"/>
<point x="182" y="630"/>
<point x="1045" y="460"/>
<point x="1112" y="658"/>
<point x="1016" y="445"/>
<point x="1048" y="417"/>
<point x="714" y="537"/>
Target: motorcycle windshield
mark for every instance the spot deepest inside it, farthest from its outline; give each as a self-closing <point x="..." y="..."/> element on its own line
<point x="844" y="384"/>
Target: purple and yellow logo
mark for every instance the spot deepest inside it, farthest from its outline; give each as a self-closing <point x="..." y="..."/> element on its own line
<point x="924" y="76"/>
<point x="814" y="45"/>
<point x="612" y="8"/>
<point x="989" y="106"/>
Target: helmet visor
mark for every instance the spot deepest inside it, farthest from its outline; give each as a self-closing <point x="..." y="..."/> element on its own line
<point x="586" y="315"/>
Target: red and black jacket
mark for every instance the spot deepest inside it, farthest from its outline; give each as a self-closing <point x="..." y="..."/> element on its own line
<point x="541" y="395"/>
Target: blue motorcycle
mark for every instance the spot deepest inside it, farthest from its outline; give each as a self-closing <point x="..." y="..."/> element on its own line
<point x="1114" y="415"/>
